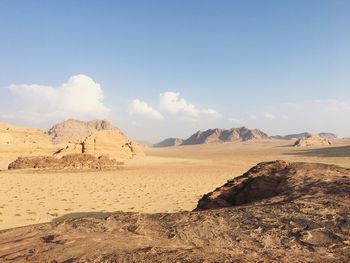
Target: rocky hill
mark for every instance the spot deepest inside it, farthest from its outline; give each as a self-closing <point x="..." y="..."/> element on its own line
<point x="75" y="130"/>
<point x="169" y="142"/>
<point x="297" y="136"/>
<point x="276" y="212"/>
<point x="312" y="140"/>
<point x="224" y="135"/>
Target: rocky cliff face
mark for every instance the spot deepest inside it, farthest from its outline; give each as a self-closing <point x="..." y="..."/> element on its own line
<point x="169" y="142"/>
<point x="74" y="130"/>
<point x="313" y="140"/>
<point x="222" y="135"/>
<point x="96" y="137"/>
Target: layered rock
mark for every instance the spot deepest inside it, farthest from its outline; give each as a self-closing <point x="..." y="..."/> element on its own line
<point x="169" y="142"/>
<point x="93" y="137"/>
<point x="313" y="140"/>
<point x="223" y="135"/>
<point x="297" y="136"/>
<point x="276" y="212"/>
<point x="111" y="142"/>
<point x="16" y="135"/>
<point x="74" y="130"/>
<point x="70" y="161"/>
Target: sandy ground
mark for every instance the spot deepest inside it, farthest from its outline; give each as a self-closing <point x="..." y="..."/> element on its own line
<point x="166" y="180"/>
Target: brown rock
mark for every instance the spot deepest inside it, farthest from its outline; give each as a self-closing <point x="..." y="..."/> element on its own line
<point x="222" y="135"/>
<point x="71" y="161"/>
<point x="312" y="140"/>
<point x="74" y="130"/>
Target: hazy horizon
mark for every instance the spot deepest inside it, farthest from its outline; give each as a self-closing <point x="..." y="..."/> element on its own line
<point x="159" y="70"/>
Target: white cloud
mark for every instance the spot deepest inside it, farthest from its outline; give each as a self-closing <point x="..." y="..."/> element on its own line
<point x="269" y="116"/>
<point x="79" y="97"/>
<point x="234" y="120"/>
<point x="171" y="102"/>
<point x="138" y="107"/>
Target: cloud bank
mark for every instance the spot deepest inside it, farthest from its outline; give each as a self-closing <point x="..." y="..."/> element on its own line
<point x="141" y="108"/>
<point x="79" y="97"/>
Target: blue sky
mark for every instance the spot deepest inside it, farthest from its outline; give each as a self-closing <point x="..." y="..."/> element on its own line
<point x="282" y="66"/>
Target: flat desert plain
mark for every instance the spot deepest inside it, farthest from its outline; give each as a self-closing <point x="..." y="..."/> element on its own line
<point x="165" y="180"/>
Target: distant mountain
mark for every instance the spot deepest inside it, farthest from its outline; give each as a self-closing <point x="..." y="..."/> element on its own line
<point x="297" y="136"/>
<point x="73" y="130"/>
<point x="327" y="135"/>
<point x="225" y="135"/>
<point x="169" y="142"/>
<point x="144" y="144"/>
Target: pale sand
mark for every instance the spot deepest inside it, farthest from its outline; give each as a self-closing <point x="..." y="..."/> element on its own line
<point x="166" y="180"/>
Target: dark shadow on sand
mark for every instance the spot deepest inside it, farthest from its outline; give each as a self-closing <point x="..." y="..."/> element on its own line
<point x="341" y="151"/>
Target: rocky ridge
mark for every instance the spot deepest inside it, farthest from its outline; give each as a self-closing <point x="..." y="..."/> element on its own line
<point x="224" y="135"/>
<point x="312" y="140"/>
<point x="169" y="142"/>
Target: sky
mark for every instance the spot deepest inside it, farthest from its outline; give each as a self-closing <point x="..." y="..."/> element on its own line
<point x="159" y="69"/>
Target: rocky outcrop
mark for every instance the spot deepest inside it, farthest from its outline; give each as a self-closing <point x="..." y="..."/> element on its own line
<point x="70" y="161"/>
<point x="328" y="135"/>
<point x="223" y="135"/>
<point x="297" y="136"/>
<point x="276" y="212"/>
<point x="74" y="130"/>
<point x="16" y="135"/>
<point x="96" y="138"/>
<point x="169" y="142"/>
<point x="111" y="142"/>
<point x="313" y="140"/>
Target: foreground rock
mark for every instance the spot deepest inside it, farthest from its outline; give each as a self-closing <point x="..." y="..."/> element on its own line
<point x="276" y="212"/>
<point x="169" y="142"/>
<point x="223" y="135"/>
<point x="312" y="140"/>
<point x="71" y="161"/>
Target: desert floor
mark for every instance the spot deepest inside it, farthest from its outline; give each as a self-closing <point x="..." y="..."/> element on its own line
<point x="166" y="180"/>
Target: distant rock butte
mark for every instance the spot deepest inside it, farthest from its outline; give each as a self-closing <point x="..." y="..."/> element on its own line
<point x="325" y="135"/>
<point x="276" y="212"/>
<point x="312" y="140"/>
<point x="225" y="135"/>
<point x="169" y="142"/>
<point x="75" y="130"/>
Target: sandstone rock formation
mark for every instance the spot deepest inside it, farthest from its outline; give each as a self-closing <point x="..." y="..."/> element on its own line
<point x="74" y="130"/>
<point x="313" y="140"/>
<point x="169" y="143"/>
<point x="70" y="161"/>
<point x="111" y="142"/>
<point x="222" y="135"/>
<point x="93" y="137"/>
<point x="16" y="135"/>
<point x="297" y="136"/>
<point x="276" y="212"/>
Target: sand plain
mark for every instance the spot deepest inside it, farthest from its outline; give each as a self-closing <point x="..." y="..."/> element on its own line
<point x="165" y="180"/>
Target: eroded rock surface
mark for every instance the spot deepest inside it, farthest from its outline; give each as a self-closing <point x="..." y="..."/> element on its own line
<point x="70" y="161"/>
<point x="312" y="140"/>
<point x="276" y="212"/>
<point x="224" y="135"/>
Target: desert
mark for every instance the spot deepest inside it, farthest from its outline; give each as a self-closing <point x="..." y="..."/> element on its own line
<point x="48" y="190"/>
<point x="174" y="131"/>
